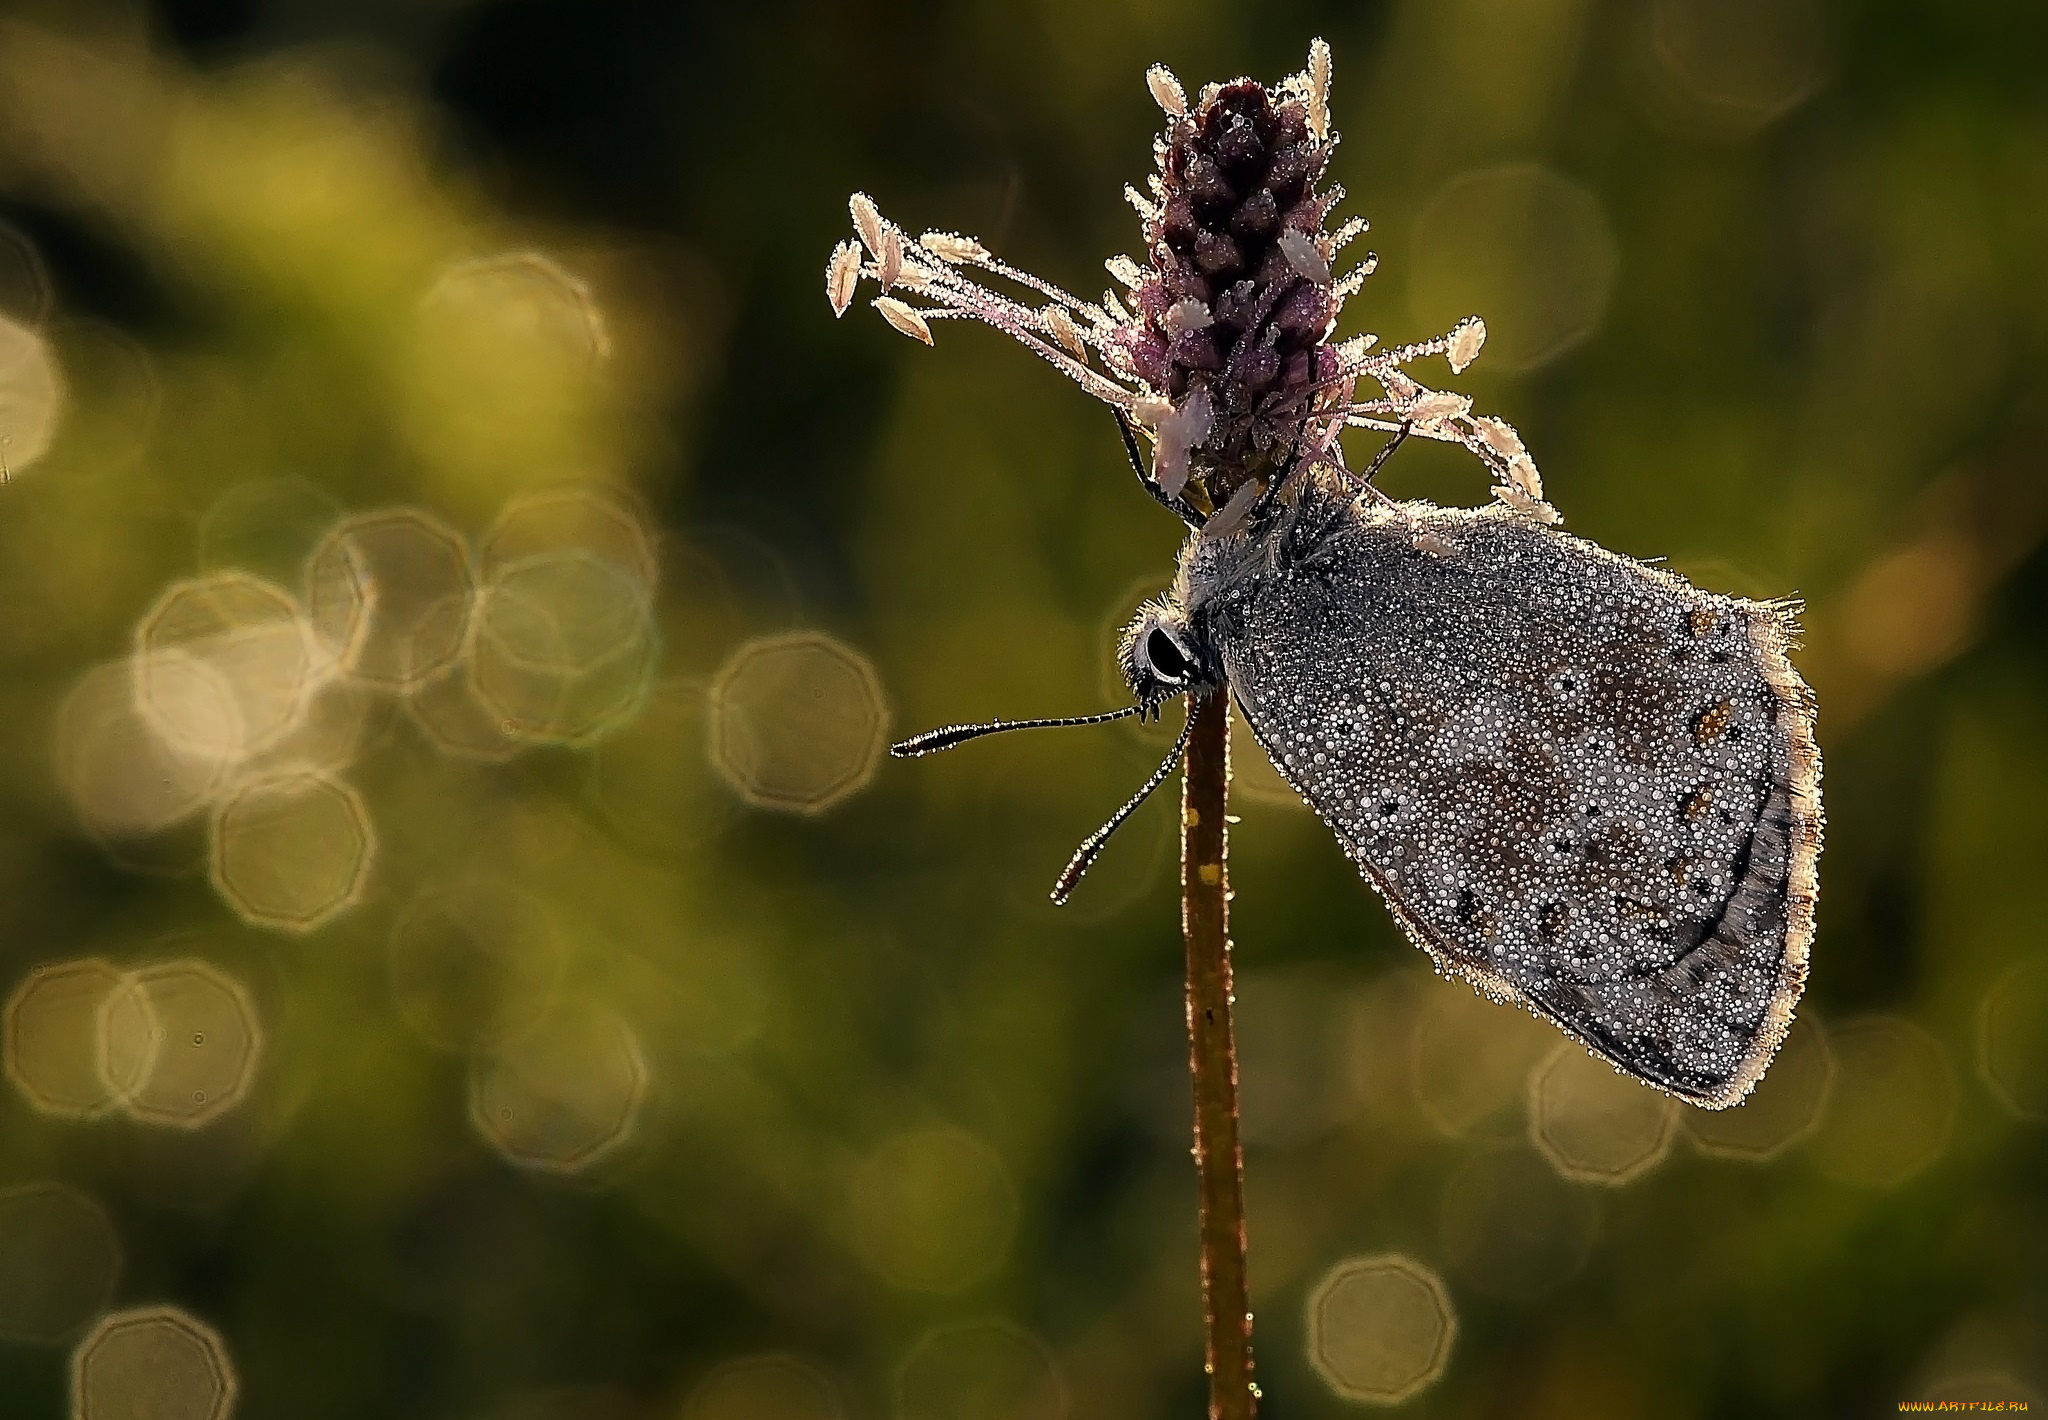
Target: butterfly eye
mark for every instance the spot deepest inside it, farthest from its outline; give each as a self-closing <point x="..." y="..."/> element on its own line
<point x="1165" y="657"/>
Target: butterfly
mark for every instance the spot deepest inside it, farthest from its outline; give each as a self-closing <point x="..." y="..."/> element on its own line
<point x="1579" y="782"/>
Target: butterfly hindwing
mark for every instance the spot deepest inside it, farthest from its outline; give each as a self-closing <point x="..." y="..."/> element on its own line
<point x="1579" y="781"/>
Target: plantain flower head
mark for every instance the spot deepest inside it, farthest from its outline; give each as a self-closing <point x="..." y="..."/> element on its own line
<point x="1223" y="348"/>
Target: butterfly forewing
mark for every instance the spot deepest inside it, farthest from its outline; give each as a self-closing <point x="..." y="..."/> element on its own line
<point x="1579" y="781"/>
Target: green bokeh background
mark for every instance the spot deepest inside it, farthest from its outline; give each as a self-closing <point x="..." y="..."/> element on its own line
<point x="1800" y="266"/>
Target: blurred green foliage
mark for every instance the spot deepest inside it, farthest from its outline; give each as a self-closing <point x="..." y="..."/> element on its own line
<point x="672" y="1102"/>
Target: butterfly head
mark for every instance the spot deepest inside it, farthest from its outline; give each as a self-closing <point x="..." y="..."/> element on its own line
<point x="1162" y="653"/>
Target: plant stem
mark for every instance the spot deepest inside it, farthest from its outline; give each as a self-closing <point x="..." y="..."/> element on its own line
<point x="1212" y="1059"/>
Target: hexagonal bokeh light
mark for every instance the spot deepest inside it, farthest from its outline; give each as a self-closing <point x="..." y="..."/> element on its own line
<point x="378" y="587"/>
<point x="565" y="1094"/>
<point x="797" y="722"/>
<point x="1595" y="1124"/>
<point x="290" y="852"/>
<point x="1380" y="1328"/>
<point x="121" y="776"/>
<point x="584" y="517"/>
<point x="225" y="666"/>
<point x="2012" y="1039"/>
<point x="1893" y="1106"/>
<point x="180" y="1043"/>
<point x="564" y="646"/>
<point x="152" y="1363"/>
<point x="1470" y="1060"/>
<point x="52" y="1037"/>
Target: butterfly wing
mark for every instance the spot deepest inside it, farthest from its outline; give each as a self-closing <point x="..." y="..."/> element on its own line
<point x="1580" y="782"/>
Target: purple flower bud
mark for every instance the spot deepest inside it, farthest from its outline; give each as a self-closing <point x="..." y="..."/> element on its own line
<point x="1257" y="217"/>
<point x="1288" y="176"/>
<point x="1196" y="349"/>
<point x="1146" y="350"/>
<point x="1260" y="367"/>
<point x="1304" y="314"/>
<point x="1207" y="185"/>
<point x="1217" y="255"/>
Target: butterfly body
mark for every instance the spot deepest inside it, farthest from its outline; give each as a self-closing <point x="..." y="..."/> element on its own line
<point x="1579" y="782"/>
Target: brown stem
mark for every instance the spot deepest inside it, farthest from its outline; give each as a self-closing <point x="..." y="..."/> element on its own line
<point x="1212" y="1058"/>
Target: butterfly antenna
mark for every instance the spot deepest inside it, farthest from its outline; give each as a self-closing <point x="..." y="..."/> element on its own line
<point x="1084" y="856"/>
<point x="932" y="741"/>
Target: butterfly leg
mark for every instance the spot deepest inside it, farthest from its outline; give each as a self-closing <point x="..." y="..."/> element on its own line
<point x="1379" y="460"/>
<point x="1178" y="506"/>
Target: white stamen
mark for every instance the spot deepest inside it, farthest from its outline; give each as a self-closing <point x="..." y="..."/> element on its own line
<point x="1523" y="476"/>
<point x="1300" y="250"/>
<point x="1062" y="327"/>
<point x="1180" y="434"/>
<point x="1353" y="350"/>
<point x="1166" y="90"/>
<point x="867" y="220"/>
<point x="1466" y="340"/>
<point x="1437" y="406"/>
<point x="1352" y="280"/>
<point x="1528" y="507"/>
<point x="903" y="318"/>
<point x="842" y="276"/>
<point x="1117" y="314"/>
<point x="1500" y="436"/>
<point x="951" y="246"/>
<point x="1319" y="91"/>
<point x="1147" y="210"/>
<point x="1425" y="541"/>
<point x="1348" y="233"/>
<point x="1125" y="270"/>
<point x="889" y="265"/>
<point x="1230" y="517"/>
<point x="1186" y="314"/>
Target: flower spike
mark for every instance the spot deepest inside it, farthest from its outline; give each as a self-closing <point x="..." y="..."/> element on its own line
<point x="1224" y="352"/>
